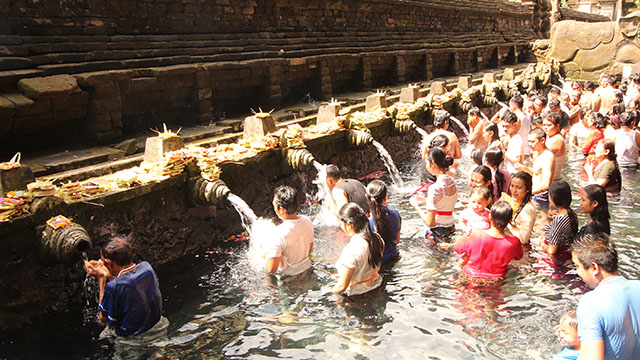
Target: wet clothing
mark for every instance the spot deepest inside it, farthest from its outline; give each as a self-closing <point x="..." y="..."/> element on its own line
<point x="608" y="169"/>
<point x="488" y="256"/>
<point x="521" y="225"/>
<point x="391" y="240"/>
<point x="567" y="354"/>
<point x="579" y="132"/>
<point x="132" y="301"/>
<point x="626" y="148"/>
<point x="292" y="242"/>
<point x="505" y="187"/>
<point x="611" y="312"/>
<point x="474" y="220"/>
<point x="441" y="198"/>
<point x="356" y="192"/>
<point x="356" y="256"/>
<point x="589" y="145"/>
<point x="561" y="232"/>
<point x="542" y="200"/>
<point x="514" y="150"/>
<point x="440" y="234"/>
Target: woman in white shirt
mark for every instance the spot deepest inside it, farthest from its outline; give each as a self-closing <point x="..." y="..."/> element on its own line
<point x="360" y="260"/>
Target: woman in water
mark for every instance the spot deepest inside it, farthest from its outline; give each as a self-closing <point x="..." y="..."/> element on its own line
<point x="386" y="222"/>
<point x="561" y="231"/>
<point x="360" y="260"/>
<point x="492" y="136"/>
<point x="481" y="176"/>
<point x="606" y="171"/>
<point x="501" y="181"/>
<point x="525" y="212"/>
<point x="441" y="198"/>
<point x="593" y="201"/>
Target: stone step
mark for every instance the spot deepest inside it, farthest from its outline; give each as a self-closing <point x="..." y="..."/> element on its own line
<point x="14" y="63"/>
<point x="12" y="76"/>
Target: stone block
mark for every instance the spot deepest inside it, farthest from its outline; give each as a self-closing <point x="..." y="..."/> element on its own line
<point x="489" y="78"/>
<point x="32" y="121"/>
<point x="7" y="110"/>
<point x="327" y="112"/>
<point x="72" y="113"/>
<point x="102" y="77"/>
<point x="15" y="179"/>
<point x="18" y="99"/>
<point x="145" y="84"/>
<point x="116" y="120"/>
<point x="75" y="100"/>
<point x="129" y="147"/>
<point x="178" y="81"/>
<point x="105" y="106"/>
<point x="100" y="122"/>
<point x="48" y="87"/>
<point x="35" y="108"/>
<point x="508" y="74"/>
<point x="103" y="91"/>
<point x="202" y="80"/>
<point x="438" y="87"/>
<point x="157" y="147"/>
<point x="465" y="82"/>
<point x="409" y="94"/>
<point x="258" y="125"/>
<point x="375" y="101"/>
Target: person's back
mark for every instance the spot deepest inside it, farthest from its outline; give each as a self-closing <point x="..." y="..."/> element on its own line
<point x="489" y="256"/>
<point x="295" y="239"/>
<point x="356" y="192"/>
<point x="133" y="301"/>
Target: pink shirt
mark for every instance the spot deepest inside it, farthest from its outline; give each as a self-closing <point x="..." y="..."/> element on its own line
<point x="475" y="220"/>
<point x="488" y="256"/>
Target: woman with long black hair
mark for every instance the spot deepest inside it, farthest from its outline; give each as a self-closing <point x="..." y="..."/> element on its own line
<point x="593" y="201"/>
<point x="385" y="221"/>
<point x="501" y="181"/>
<point x="360" y="260"/>
<point x="524" y="216"/>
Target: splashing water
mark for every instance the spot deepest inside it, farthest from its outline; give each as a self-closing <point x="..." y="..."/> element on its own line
<point x="388" y="162"/>
<point x="247" y="216"/>
<point x="422" y="133"/>
<point x="461" y="125"/>
<point x="320" y="181"/>
<point x="503" y="105"/>
<point x="484" y="116"/>
<point x="262" y="230"/>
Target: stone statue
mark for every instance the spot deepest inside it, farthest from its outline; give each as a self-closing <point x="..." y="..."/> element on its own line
<point x="587" y="49"/>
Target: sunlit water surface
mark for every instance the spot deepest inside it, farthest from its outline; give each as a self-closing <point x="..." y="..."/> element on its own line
<point x="219" y="307"/>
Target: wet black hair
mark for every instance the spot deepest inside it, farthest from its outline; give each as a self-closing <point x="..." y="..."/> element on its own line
<point x="554" y="104"/>
<point x="554" y="117"/>
<point x="610" y="145"/>
<point x="560" y="193"/>
<point x="118" y="250"/>
<point x="494" y="129"/>
<point x="439" y="157"/>
<point x="485" y="192"/>
<point x="495" y="157"/>
<point x="528" y="184"/>
<point x="352" y="213"/>
<point x="555" y="90"/>
<point x="501" y="213"/>
<point x="334" y="172"/>
<point x="477" y="155"/>
<point x="612" y="80"/>
<point x="599" y="120"/>
<point x="517" y="100"/>
<point x="635" y="77"/>
<point x="538" y="133"/>
<point x="617" y="108"/>
<point x="440" y="140"/>
<point x="536" y="119"/>
<point x="626" y="119"/>
<point x="600" y="215"/>
<point x="286" y="197"/>
<point x="441" y="118"/>
<point x="475" y="111"/>
<point x="596" y="248"/>
<point x="584" y="111"/>
<point x="589" y="85"/>
<point x="508" y="116"/>
<point x="376" y="193"/>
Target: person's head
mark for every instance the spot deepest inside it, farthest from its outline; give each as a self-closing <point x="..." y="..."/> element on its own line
<point x="501" y="213"/>
<point x="474" y="113"/>
<point x="494" y="157"/>
<point x="616" y="109"/>
<point x="490" y="132"/>
<point x="606" y="149"/>
<point x="554" y="93"/>
<point x="634" y="104"/>
<point x="635" y="78"/>
<point x="285" y="201"/>
<point x="516" y="103"/>
<point x="116" y="254"/>
<point x="353" y="220"/>
<point x="627" y="119"/>
<point x="438" y="160"/>
<point x="509" y="122"/>
<point x="593" y="201"/>
<point x="333" y="176"/>
<point x="585" y="116"/>
<point x="618" y="98"/>
<point x="537" y="140"/>
<point x="441" y="119"/>
<point x="377" y="195"/>
<point x="440" y="140"/>
<point x="480" y="176"/>
<point x="589" y="86"/>
<point x="574" y="98"/>
<point x="539" y="103"/>
<point x="477" y="155"/>
<point x="521" y="186"/>
<point x="576" y="86"/>
<point x="536" y="120"/>
<point x="554" y="105"/>
<point x="612" y="80"/>
<point x="560" y="194"/>
<point x="593" y="254"/>
<point x="481" y="198"/>
<point x="598" y="120"/>
<point x="568" y="329"/>
<point x="551" y="123"/>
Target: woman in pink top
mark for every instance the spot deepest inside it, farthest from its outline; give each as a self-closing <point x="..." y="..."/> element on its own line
<point x="487" y="253"/>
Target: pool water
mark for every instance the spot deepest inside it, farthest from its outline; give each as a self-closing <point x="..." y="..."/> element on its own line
<point x="220" y="308"/>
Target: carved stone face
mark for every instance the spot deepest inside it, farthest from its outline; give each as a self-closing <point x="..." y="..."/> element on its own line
<point x="629" y="24"/>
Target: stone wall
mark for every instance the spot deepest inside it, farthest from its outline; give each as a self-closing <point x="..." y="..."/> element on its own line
<point x="162" y="221"/>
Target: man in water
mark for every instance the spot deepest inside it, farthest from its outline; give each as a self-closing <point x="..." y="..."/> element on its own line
<point x="441" y="121"/>
<point x="476" y="123"/>
<point x="515" y="143"/>
<point x="288" y="252"/>
<point x="344" y="191"/>
<point x="551" y="125"/>
<point x="609" y="315"/>
<point x="130" y="300"/>
<point x="543" y="167"/>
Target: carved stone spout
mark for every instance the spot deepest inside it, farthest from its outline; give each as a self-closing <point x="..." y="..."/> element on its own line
<point x="299" y="158"/>
<point x="359" y="138"/>
<point x="64" y="244"/>
<point x="210" y="192"/>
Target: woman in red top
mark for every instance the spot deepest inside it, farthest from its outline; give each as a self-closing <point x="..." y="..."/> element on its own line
<point x="487" y="253"/>
<point x="597" y="122"/>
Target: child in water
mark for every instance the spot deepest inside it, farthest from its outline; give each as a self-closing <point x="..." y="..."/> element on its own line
<point x="476" y="216"/>
<point x="568" y="332"/>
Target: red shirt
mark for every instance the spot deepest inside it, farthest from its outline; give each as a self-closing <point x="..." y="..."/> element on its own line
<point x="488" y="256"/>
<point x="589" y="146"/>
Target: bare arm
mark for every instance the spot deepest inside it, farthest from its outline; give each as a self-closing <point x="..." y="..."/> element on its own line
<point x="592" y="350"/>
<point x="428" y="217"/>
<point x="273" y="263"/>
<point x="339" y="198"/>
<point x="344" y="278"/>
<point x="546" y="177"/>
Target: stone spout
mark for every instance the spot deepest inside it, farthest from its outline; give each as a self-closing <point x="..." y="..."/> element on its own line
<point x="65" y="244"/>
<point x="299" y="158"/>
<point x="403" y="126"/>
<point x="359" y="138"/>
<point x="210" y="192"/>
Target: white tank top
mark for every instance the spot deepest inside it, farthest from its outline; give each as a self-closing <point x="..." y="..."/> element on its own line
<point x="626" y="148"/>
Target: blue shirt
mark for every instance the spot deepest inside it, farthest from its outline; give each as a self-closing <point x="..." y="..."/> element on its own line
<point x="567" y="354"/>
<point x="611" y="312"/>
<point x="132" y="302"/>
<point x="390" y="241"/>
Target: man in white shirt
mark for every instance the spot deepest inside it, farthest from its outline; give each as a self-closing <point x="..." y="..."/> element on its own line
<point x="515" y="146"/>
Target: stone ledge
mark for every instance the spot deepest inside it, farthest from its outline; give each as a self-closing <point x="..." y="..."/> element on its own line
<point x="48" y="87"/>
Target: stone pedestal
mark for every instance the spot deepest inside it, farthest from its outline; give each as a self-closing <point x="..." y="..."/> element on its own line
<point x="375" y="100"/>
<point x="489" y="78"/>
<point x="258" y="125"/>
<point x="328" y="112"/>
<point x="409" y="94"/>
<point x="465" y="82"/>
<point x="15" y="179"/>
<point x="157" y="147"/>
<point x="438" y="87"/>
<point x="508" y="74"/>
